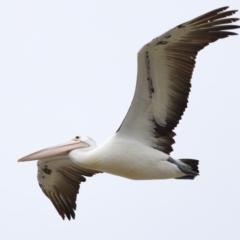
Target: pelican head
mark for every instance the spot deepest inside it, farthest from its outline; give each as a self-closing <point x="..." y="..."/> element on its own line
<point x="61" y="149"/>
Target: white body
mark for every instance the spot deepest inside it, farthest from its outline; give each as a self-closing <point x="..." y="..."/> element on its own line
<point x="127" y="158"/>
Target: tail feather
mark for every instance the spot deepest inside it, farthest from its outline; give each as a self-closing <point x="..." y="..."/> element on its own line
<point x="187" y="177"/>
<point x="187" y="166"/>
<point x="192" y="163"/>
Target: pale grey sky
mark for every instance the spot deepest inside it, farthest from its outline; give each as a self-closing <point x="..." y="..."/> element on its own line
<point x="68" y="68"/>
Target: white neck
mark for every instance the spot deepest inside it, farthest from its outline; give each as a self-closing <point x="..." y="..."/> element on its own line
<point x="83" y="157"/>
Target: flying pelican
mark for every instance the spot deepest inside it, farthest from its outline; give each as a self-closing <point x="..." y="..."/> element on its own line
<point x="141" y="146"/>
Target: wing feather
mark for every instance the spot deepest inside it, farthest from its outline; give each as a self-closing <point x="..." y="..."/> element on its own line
<point x="60" y="181"/>
<point x="165" y="67"/>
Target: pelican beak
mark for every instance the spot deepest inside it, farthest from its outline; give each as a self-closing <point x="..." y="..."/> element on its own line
<point x="59" y="150"/>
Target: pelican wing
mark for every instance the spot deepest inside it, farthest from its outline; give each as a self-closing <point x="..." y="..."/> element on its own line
<point x="165" y="67"/>
<point x="60" y="181"/>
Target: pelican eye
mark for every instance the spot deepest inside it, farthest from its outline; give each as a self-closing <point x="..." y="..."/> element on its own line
<point x="77" y="137"/>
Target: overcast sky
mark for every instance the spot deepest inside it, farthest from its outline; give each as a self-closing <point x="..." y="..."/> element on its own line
<point x="68" y="68"/>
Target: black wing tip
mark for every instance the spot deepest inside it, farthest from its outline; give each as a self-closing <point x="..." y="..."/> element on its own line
<point x="223" y="8"/>
<point x="70" y="216"/>
<point x="63" y="209"/>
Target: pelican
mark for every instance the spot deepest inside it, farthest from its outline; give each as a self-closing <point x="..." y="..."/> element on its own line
<point x="140" y="148"/>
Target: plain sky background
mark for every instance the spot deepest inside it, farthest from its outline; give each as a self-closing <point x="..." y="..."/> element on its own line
<point x="69" y="68"/>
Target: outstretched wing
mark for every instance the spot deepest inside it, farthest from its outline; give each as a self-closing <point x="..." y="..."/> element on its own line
<point x="165" y="67"/>
<point x="60" y="181"/>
